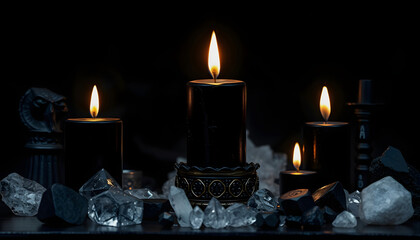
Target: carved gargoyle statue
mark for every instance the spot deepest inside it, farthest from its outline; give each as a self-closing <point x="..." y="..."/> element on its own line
<point x="42" y="110"/>
<point x="43" y="113"/>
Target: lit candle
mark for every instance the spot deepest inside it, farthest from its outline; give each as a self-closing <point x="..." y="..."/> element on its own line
<point x="92" y="144"/>
<point x="216" y="118"/>
<point x="298" y="179"/>
<point x="327" y="146"/>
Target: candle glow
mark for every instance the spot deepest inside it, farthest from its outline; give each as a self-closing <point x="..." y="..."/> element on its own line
<point x="213" y="59"/>
<point x="296" y="156"/>
<point x="324" y="104"/>
<point x="94" y="102"/>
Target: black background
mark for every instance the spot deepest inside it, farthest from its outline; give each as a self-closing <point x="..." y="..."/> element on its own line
<point x="141" y="57"/>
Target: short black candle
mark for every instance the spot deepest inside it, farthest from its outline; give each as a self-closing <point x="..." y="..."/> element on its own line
<point x="327" y="151"/>
<point x="216" y="123"/>
<point x="291" y="180"/>
<point x="90" y="145"/>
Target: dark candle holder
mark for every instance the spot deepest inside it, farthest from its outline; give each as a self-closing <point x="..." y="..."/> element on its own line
<point x="228" y="184"/>
<point x="363" y="110"/>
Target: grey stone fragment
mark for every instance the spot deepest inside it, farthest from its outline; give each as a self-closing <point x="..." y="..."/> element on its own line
<point x="345" y="220"/>
<point x="386" y="202"/>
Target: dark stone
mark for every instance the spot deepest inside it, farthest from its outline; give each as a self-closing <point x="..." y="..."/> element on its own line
<point x="296" y="202"/>
<point x="61" y="204"/>
<point x="329" y="214"/>
<point x="391" y="160"/>
<point x="166" y="219"/>
<point x="331" y="195"/>
<point x="313" y="219"/>
<point x="392" y="163"/>
<point x="293" y="221"/>
<point x="267" y="220"/>
<point x="154" y="207"/>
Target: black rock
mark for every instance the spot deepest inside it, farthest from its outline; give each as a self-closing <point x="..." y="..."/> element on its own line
<point x="293" y="221"/>
<point x="267" y="220"/>
<point x="60" y="204"/>
<point x="296" y="202"/>
<point x="331" y="195"/>
<point x="391" y="160"/>
<point x="154" y="207"/>
<point x="313" y="218"/>
<point x="329" y="214"/>
<point x="166" y="219"/>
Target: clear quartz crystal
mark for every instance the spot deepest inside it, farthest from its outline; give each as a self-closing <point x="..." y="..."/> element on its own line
<point x="196" y="217"/>
<point x="241" y="215"/>
<point x="142" y="193"/>
<point x="353" y="203"/>
<point x="263" y="200"/>
<point x="21" y="195"/>
<point x="181" y="205"/>
<point x="98" y="183"/>
<point x="345" y="220"/>
<point x="215" y="215"/>
<point x="115" y="208"/>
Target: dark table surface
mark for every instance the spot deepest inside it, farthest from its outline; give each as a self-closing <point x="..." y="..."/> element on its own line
<point x="30" y="228"/>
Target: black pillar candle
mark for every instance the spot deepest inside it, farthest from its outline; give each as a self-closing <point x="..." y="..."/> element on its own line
<point x="327" y="147"/>
<point x="90" y="145"/>
<point x="291" y="180"/>
<point x="216" y="123"/>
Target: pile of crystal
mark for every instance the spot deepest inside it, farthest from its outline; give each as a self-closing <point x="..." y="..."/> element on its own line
<point x="386" y="202"/>
<point x="21" y="195"/>
<point x="108" y="204"/>
<point x="213" y="216"/>
<point x="271" y="164"/>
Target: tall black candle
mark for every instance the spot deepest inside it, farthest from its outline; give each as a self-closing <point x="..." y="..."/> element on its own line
<point x="327" y="147"/>
<point x="216" y="123"/>
<point x="90" y="145"/>
<point x="216" y="118"/>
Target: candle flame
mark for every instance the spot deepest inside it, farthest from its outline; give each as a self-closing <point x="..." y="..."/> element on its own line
<point x="324" y="104"/>
<point x="94" y="102"/>
<point x="214" y="60"/>
<point x="296" y="156"/>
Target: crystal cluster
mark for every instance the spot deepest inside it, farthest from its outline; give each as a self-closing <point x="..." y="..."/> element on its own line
<point x="21" y="195"/>
<point x="115" y="208"/>
<point x="108" y="205"/>
<point x="263" y="200"/>
<point x="215" y="215"/>
<point x="270" y="164"/>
